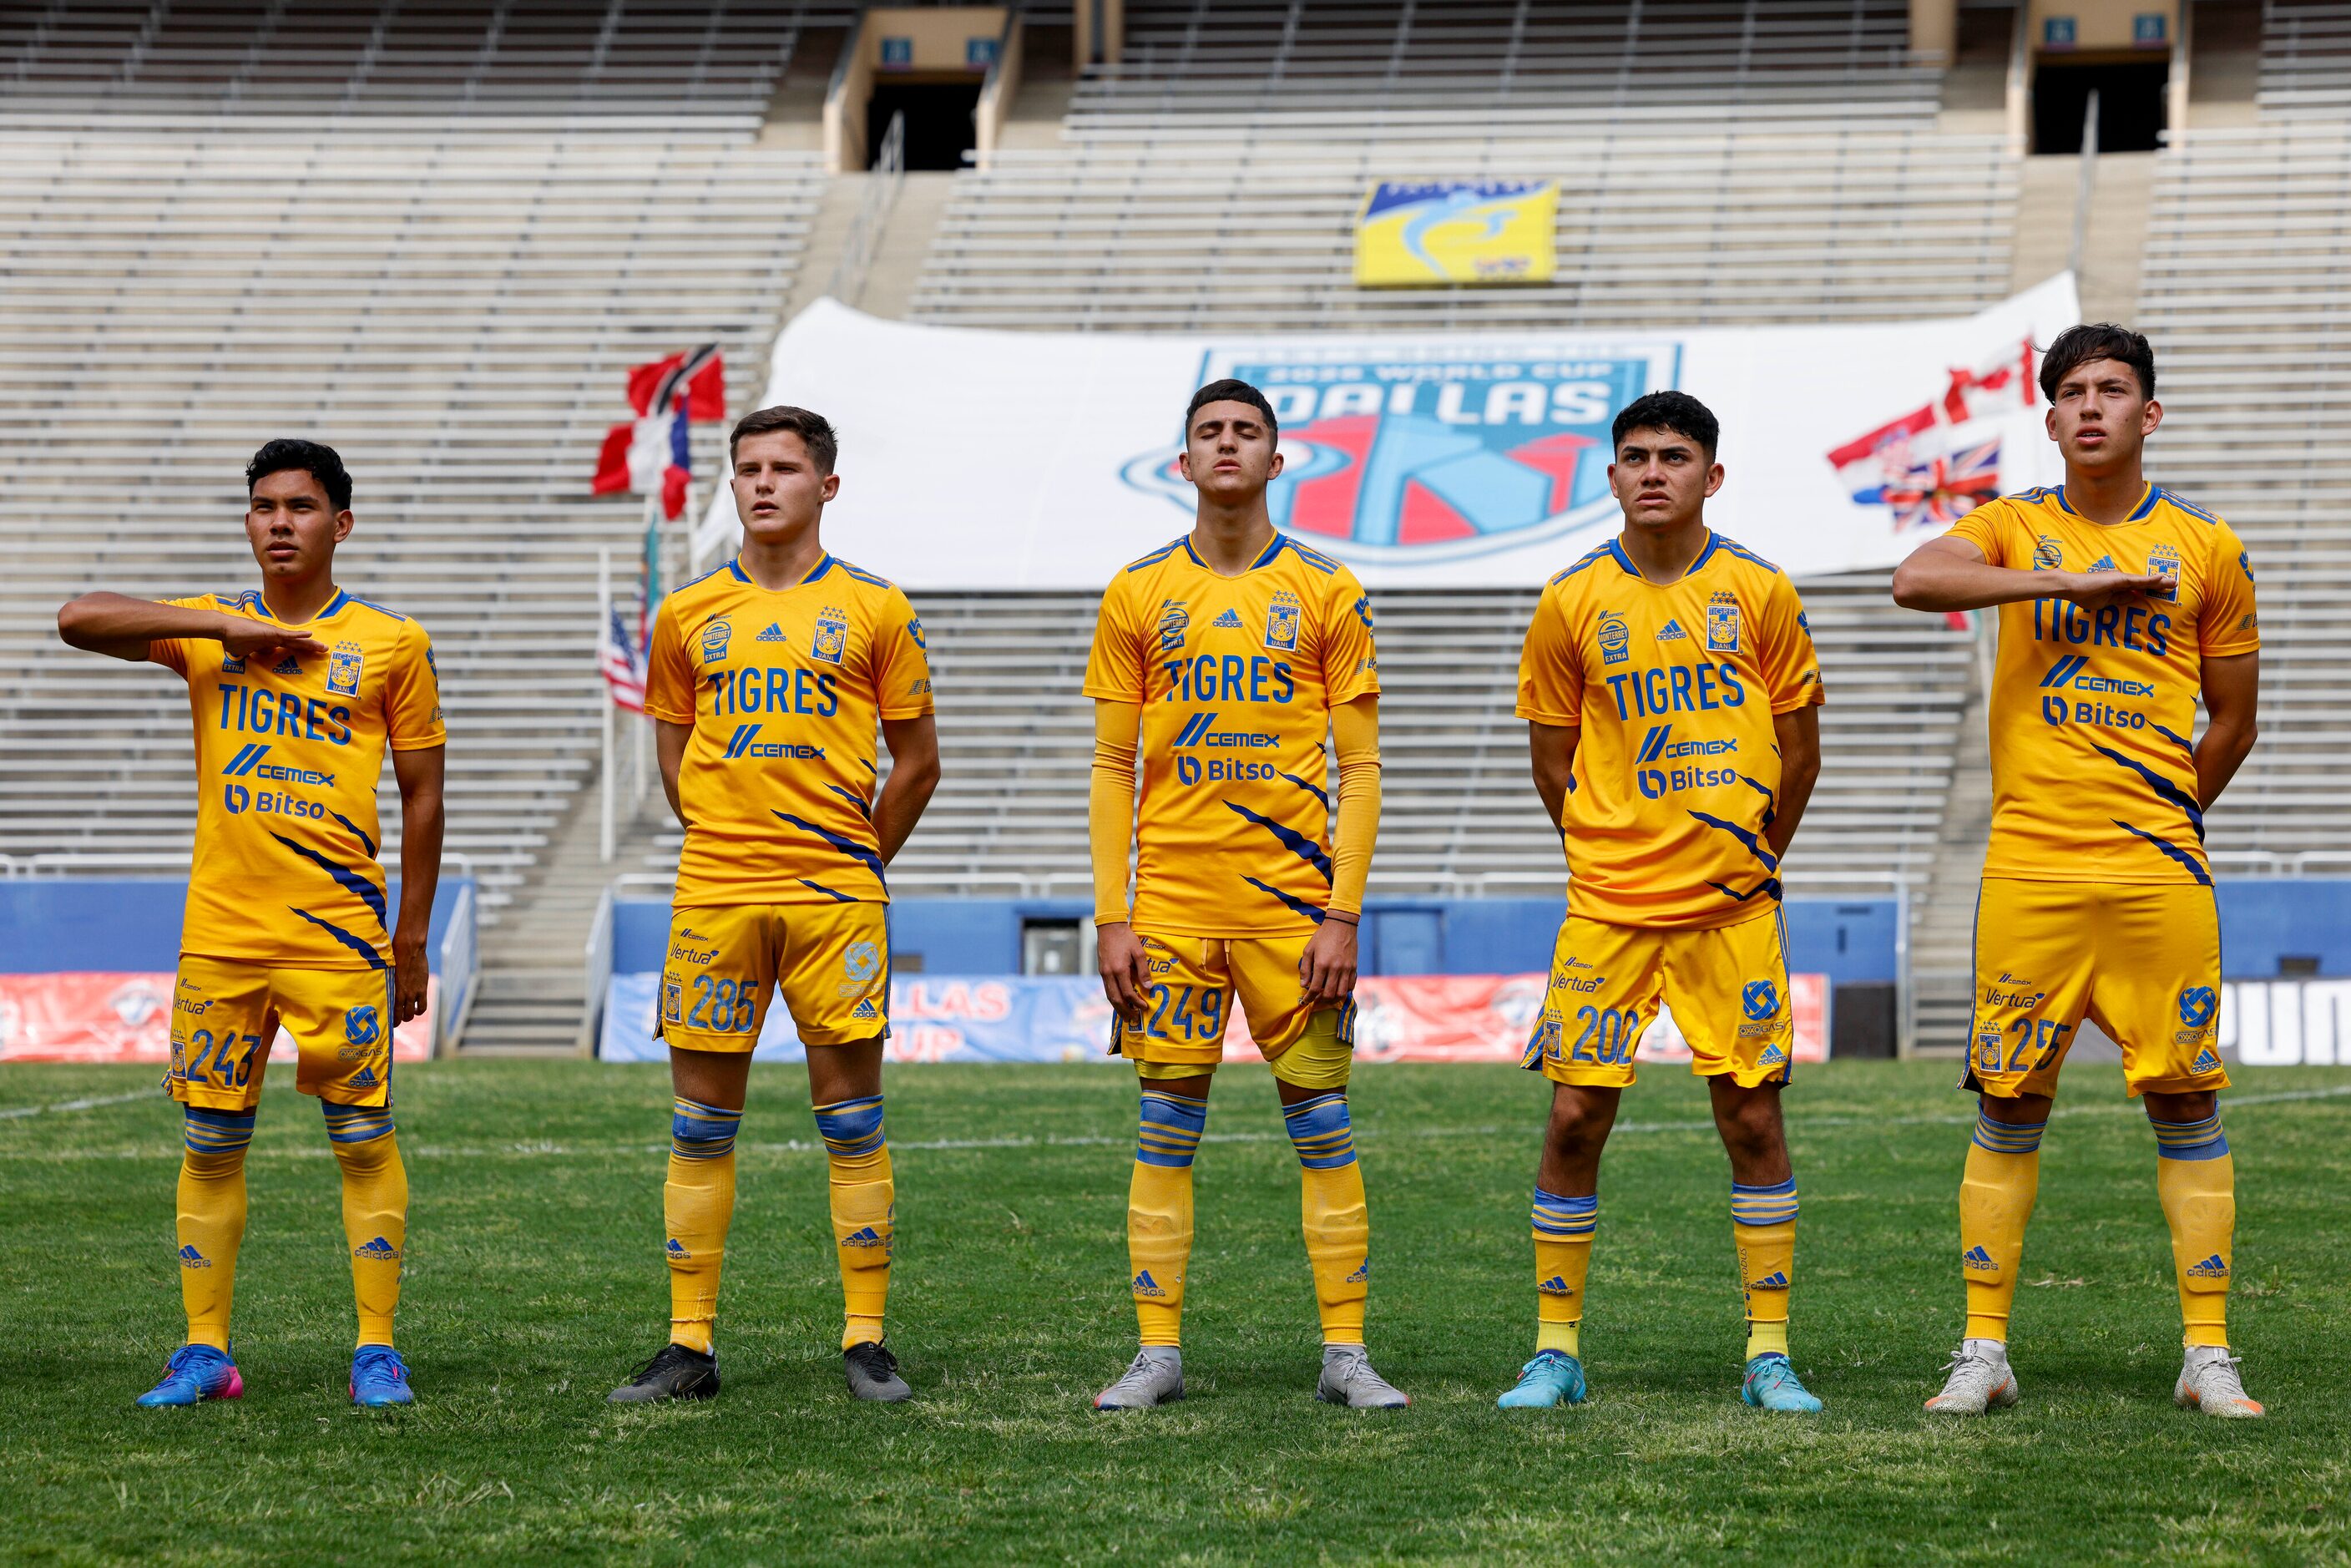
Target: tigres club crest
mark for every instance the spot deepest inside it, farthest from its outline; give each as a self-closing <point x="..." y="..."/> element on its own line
<point x="715" y="632"/>
<point x="2047" y="554"/>
<point x="2163" y="560"/>
<point x="1722" y="624"/>
<point x="1174" y="619"/>
<point x="343" y="667"/>
<point x="1616" y="638"/>
<point x="832" y="635"/>
<point x="1281" y="623"/>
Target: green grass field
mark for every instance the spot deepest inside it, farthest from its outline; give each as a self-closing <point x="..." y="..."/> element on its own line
<point x="535" y="1281"/>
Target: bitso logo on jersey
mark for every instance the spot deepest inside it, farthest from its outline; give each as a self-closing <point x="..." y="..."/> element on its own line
<point x="715" y="634"/>
<point x="343" y="666"/>
<point x="832" y="635"/>
<point x="1435" y="449"/>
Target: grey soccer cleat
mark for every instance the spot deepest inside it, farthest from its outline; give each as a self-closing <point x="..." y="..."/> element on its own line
<point x="1155" y="1378"/>
<point x="1979" y="1379"/>
<point x="1348" y="1379"/>
<point x="874" y="1374"/>
<point x="2208" y="1382"/>
<point x="674" y="1372"/>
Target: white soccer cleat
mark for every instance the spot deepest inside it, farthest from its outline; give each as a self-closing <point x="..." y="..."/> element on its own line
<point x="1155" y="1378"/>
<point x="1979" y="1379"/>
<point x="1348" y="1379"/>
<point x="2208" y="1382"/>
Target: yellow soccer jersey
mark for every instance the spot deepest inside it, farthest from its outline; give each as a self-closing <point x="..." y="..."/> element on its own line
<point x="1676" y="769"/>
<point x="288" y="756"/>
<point x="1236" y="677"/>
<point x="2093" y="769"/>
<point x="783" y="690"/>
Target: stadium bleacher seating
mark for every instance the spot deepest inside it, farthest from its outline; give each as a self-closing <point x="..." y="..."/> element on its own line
<point x="2306" y="66"/>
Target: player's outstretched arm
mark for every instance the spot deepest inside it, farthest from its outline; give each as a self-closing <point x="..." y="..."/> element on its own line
<point x="1109" y="834"/>
<point x="1797" y="734"/>
<point x="122" y="627"/>
<point x="1552" y="748"/>
<point x="418" y="774"/>
<point x="2232" y="684"/>
<point x="913" y="746"/>
<point x="1949" y="573"/>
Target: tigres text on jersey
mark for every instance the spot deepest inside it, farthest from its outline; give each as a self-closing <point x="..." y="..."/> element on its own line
<point x="1236" y="677"/>
<point x="2092" y="713"/>
<point x="783" y="690"/>
<point x="1676" y="768"/>
<point x="288" y="751"/>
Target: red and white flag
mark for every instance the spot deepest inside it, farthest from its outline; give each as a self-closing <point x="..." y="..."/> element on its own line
<point x="651" y="454"/>
<point x="622" y="661"/>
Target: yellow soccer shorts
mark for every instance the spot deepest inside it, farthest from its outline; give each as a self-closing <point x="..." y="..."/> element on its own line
<point x="726" y="963"/>
<point x="1728" y="985"/>
<point x="226" y="1013"/>
<point x="2141" y="959"/>
<point x="1195" y="984"/>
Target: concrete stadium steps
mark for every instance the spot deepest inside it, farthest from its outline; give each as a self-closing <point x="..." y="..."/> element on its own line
<point x="454" y="310"/>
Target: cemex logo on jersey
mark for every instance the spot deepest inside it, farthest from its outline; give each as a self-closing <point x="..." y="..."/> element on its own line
<point x="1406" y="452"/>
<point x="2073" y="671"/>
<point x="746" y="742"/>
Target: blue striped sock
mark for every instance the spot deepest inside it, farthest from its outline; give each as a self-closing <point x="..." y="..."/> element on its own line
<point x="1320" y="1132"/>
<point x="356" y="1124"/>
<point x="2198" y="1140"/>
<point x="1764" y="1205"/>
<point x="700" y="1132"/>
<point x="216" y="1132"/>
<point x="1170" y="1128"/>
<point x="1558" y="1218"/>
<point x="2009" y="1137"/>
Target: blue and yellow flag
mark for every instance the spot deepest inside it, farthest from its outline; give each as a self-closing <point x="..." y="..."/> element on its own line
<point x="1456" y="231"/>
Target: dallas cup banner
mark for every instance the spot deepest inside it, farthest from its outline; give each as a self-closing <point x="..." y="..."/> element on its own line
<point x="97" y="1017"/>
<point x="975" y="459"/>
<point x="1419" y="233"/>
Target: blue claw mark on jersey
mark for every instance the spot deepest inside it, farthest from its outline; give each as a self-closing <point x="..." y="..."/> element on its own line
<point x="2164" y="787"/>
<point x="830" y="893"/>
<point x="848" y="847"/>
<point x="1297" y="905"/>
<point x="1770" y="884"/>
<point x="2180" y="741"/>
<point x="2168" y="847"/>
<point x="343" y="936"/>
<point x="854" y="799"/>
<point x="1293" y="840"/>
<point x="1770" y="801"/>
<point x="1754" y="845"/>
<point x="356" y="831"/>
<point x="356" y="885"/>
<point x="1310" y="789"/>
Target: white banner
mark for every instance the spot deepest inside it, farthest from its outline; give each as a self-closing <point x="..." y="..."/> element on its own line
<point x="988" y="459"/>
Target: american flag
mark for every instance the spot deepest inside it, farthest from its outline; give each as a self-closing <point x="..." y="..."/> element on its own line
<point x="1939" y="490"/>
<point x="622" y="662"/>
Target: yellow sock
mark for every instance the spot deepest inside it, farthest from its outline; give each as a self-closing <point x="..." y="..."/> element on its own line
<point x="2196" y="1177"/>
<point x="864" y="1212"/>
<point x="375" y="1210"/>
<point x="211" y="1220"/>
<point x="1159" y="1211"/>
<point x="2004" y="1176"/>
<point x="1563" y="1232"/>
<point x="1332" y="1213"/>
<point x="1763" y="1226"/>
<point x="697" y="1206"/>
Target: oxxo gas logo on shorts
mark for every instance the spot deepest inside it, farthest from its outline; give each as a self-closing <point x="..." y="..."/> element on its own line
<point x="860" y="962"/>
<point x="2197" y="1006"/>
<point x="1760" y="1000"/>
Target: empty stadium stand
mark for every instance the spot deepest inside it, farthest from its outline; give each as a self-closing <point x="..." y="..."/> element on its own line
<point x="2305" y="64"/>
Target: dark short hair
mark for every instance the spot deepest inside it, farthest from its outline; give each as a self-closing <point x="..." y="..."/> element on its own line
<point x="814" y="430"/>
<point x="1231" y="391"/>
<point x="2077" y="346"/>
<point x="322" y="462"/>
<point x="1674" y="410"/>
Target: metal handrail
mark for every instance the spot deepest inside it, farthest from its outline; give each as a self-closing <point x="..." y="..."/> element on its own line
<point x="865" y="237"/>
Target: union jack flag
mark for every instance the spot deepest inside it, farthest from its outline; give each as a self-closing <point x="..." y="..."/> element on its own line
<point x="1939" y="490"/>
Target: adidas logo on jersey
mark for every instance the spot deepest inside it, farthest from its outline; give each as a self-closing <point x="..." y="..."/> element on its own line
<point x="1145" y="1285"/>
<point x="2212" y="1267"/>
<point x="364" y="1078"/>
<point x="774" y="633"/>
<point x="191" y="1258"/>
<point x="289" y="665"/>
<point x="867" y="1237"/>
<point x="1977" y="1258"/>
<point x="677" y="1253"/>
<point x="1772" y="1057"/>
<point x="1361" y="1276"/>
<point x="2207" y="1061"/>
<point x="379" y="1249"/>
<point x="1673" y="632"/>
<point x="1555" y="1286"/>
<point x="2105" y="563"/>
<point x="1230" y="617"/>
<point x="1774" y="1281"/>
<point x="864" y="1009"/>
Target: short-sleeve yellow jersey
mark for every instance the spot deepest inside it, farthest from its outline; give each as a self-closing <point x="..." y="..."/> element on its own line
<point x="1673" y="688"/>
<point x="289" y="752"/>
<point x="2094" y="713"/>
<point x="783" y="689"/>
<point x="1236" y="677"/>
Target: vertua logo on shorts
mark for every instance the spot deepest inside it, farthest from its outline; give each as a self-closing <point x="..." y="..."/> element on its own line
<point x="1433" y="449"/>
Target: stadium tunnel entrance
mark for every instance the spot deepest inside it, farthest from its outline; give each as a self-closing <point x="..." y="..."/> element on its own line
<point x="941" y="68"/>
<point x="2131" y="108"/>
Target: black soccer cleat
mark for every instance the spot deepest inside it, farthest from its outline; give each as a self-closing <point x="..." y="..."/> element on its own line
<point x="674" y="1372"/>
<point x="874" y="1374"/>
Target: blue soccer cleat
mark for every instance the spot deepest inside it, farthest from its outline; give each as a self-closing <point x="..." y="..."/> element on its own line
<point x="380" y="1377"/>
<point x="1552" y="1377"/>
<point x="1773" y="1384"/>
<point x="195" y="1373"/>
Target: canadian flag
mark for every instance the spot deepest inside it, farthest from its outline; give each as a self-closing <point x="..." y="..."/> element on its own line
<point x="651" y="454"/>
